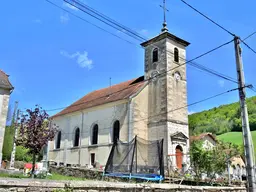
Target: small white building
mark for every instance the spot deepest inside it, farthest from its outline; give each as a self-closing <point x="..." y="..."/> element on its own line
<point x="236" y="164"/>
<point x="208" y="139"/>
<point x="6" y="89"/>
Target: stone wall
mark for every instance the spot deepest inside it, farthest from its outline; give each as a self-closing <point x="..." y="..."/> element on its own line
<point x="77" y="172"/>
<point x="16" y="185"/>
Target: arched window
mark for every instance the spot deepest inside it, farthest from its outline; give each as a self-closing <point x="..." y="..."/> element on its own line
<point x="179" y="156"/>
<point x="155" y="55"/>
<point x="116" y="131"/>
<point x="176" y="55"/>
<point x="77" y="137"/>
<point x="94" y="139"/>
<point x="58" y="140"/>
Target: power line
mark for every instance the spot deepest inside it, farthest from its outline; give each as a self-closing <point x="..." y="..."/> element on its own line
<point x="208" y="52"/>
<point x="179" y="108"/>
<point x="248" y="46"/>
<point x="150" y="78"/>
<point x="90" y="22"/>
<point x="203" y="68"/>
<point x="249" y="36"/>
<point x="205" y="16"/>
<point x="102" y="20"/>
<point x="108" y="19"/>
<point x="223" y="76"/>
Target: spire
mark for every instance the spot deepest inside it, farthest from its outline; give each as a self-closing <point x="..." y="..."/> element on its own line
<point x="164" y="29"/>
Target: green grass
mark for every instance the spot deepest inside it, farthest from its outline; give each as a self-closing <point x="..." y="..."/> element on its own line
<point x="54" y="176"/>
<point x="236" y="138"/>
<point x="16" y="175"/>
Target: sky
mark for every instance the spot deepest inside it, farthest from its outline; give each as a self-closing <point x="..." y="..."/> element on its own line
<point x="54" y="58"/>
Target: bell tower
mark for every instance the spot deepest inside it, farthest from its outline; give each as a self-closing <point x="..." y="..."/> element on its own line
<point x="165" y="70"/>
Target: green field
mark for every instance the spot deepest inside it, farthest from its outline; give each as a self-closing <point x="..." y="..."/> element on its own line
<point x="236" y="138"/>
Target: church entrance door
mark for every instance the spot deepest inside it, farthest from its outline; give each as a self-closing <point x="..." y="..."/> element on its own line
<point x="179" y="157"/>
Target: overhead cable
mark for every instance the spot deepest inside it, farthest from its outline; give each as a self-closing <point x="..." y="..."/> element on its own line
<point x="205" y="16"/>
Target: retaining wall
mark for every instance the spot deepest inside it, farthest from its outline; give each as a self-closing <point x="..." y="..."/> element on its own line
<point x="22" y="185"/>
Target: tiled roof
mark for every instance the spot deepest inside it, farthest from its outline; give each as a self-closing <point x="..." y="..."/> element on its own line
<point x="4" y="81"/>
<point x="201" y="136"/>
<point x="106" y="95"/>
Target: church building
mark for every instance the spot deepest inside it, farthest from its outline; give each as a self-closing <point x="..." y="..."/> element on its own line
<point x="152" y="107"/>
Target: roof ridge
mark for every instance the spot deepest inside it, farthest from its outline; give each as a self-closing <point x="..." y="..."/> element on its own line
<point x="98" y="97"/>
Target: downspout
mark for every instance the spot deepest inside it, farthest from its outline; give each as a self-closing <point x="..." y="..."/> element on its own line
<point x="80" y="139"/>
<point x="129" y="119"/>
<point x="130" y="112"/>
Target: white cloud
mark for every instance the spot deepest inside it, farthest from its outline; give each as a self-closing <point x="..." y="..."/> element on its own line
<point x="221" y="83"/>
<point x="70" y="6"/>
<point x="143" y="31"/>
<point x="82" y="59"/>
<point x="37" y="21"/>
<point x="64" y="18"/>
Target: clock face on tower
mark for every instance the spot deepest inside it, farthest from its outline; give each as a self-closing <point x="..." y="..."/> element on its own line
<point x="177" y="76"/>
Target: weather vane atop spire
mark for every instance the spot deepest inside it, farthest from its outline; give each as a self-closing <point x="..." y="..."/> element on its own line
<point x="164" y="29"/>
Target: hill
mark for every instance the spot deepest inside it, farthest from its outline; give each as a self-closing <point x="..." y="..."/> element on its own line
<point x="236" y="138"/>
<point x="222" y="119"/>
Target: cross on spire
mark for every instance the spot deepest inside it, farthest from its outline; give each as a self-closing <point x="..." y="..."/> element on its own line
<point x="164" y="29"/>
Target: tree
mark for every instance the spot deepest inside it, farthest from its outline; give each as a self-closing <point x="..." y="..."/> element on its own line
<point x="222" y="119"/>
<point x="8" y="141"/>
<point x="199" y="159"/>
<point x="35" y="132"/>
<point x="210" y="161"/>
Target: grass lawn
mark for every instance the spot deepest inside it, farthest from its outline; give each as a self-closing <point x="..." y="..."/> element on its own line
<point x="16" y="175"/>
<point x="53" y="177"/>
<point x="56" y="176"/>
<point x="236" y="138"/>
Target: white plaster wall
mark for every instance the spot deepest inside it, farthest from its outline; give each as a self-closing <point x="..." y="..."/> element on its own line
<point x="208" y="143"/>
<point x="4" y="104"/>
<point x="139" y="121"/>
<point x="104" y="116"/>
<point x="1" y="102"/>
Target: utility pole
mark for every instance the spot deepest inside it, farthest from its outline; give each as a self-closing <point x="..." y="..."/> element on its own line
<point x="251" y="179"/>
<point x="14" y="139"/>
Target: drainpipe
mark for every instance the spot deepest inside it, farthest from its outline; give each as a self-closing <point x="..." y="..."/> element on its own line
<point x="129" y="119"/>
<point x="80" y="139"/>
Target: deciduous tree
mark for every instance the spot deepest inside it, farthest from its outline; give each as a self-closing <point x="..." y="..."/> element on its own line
<point x="35" y="132"/>
<point x="210" y="161"/>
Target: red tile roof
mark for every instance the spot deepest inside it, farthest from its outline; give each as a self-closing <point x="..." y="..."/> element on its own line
<point x="106" y="95"/>
<point x="201" y="136"/>
<point x="4" y="81"/>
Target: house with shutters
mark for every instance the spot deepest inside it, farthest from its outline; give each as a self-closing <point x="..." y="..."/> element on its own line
<point x="152" y="107"/>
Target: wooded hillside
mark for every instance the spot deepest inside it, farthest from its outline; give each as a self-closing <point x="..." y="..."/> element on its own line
<point x="222" y="119"/>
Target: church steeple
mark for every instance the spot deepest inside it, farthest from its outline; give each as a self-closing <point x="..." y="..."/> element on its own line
<point x="167" y="91"/>
<point x="164" y="29"/>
